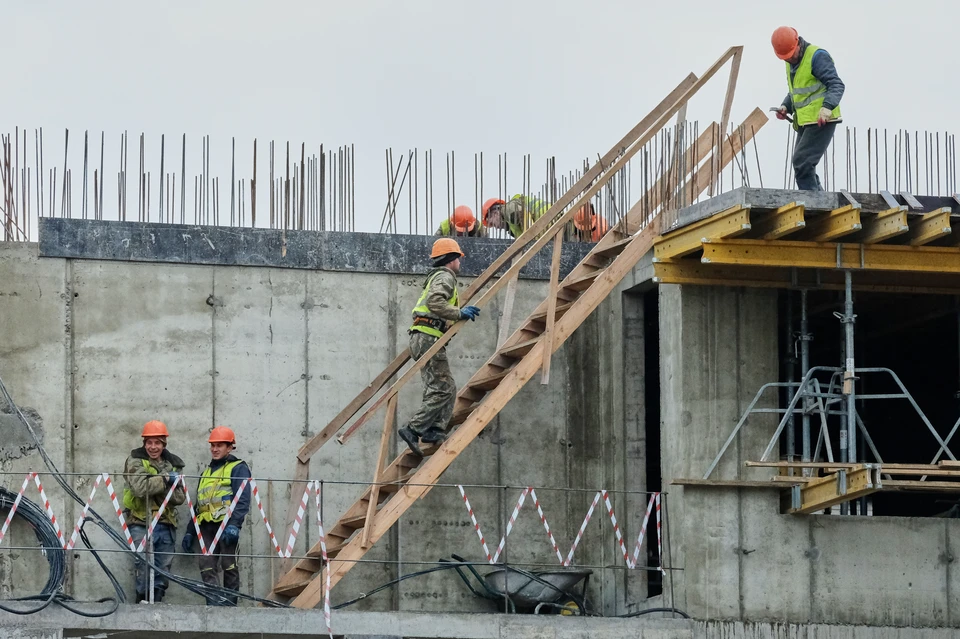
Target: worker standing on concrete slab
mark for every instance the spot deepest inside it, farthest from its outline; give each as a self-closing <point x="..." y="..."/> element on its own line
<point x="815" y="91"/>
<point x="587" y="225"/>
<point x="436" y="310"/>
<point x="464" y="224"/>
<point x="148" y="474"/>
<point x="219" y="483"/>
<point x="514" y="216"/>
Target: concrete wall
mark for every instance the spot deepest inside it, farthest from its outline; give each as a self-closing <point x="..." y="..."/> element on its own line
<point x="100" y="347"/>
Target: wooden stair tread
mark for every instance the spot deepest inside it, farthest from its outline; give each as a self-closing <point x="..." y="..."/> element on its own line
<point x="291" y="590"/>
<point x="520" y="349"/>
<point x="490" y="381"/>
<point x="614" y="249"/>
<point x="461" y="415"/>
<point x="356" y="522"/>
<point x="583" y="282"/>
<point x="542" y="315"/>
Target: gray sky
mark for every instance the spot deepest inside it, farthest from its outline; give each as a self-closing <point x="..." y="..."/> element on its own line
<point x="559" y="78"/>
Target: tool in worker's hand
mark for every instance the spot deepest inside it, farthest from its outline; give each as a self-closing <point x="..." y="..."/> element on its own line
<point x="786" y="116"/>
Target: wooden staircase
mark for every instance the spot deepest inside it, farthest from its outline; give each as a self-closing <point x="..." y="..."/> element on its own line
<point x="398" y="485"/>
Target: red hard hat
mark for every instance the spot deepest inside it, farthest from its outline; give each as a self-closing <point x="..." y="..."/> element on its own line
<point x="222" y="434"/>
<point x="463" y="219"/>
<point x="489" y="204"/>
<point x="154" y="428"/>
<point x="785" y="42"/>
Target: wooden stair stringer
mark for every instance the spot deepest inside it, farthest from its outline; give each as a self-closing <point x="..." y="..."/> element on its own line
<point x="428" y="473"/>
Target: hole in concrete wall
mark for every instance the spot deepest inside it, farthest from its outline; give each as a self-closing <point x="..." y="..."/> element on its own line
<point x="916" y="336"/>
<point x="651" y="403"/>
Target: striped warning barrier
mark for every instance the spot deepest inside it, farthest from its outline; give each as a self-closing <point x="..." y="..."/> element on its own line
<point x="324" y="558"/>
<point x="476" y="526"/>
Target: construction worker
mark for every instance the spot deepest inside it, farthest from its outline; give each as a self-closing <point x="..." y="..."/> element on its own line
<point x="436" y="310"/>
<point x="464" y="224"/>
<point x="148" y="474"/>
<point x="219" y="483"/>
<point x="587" y="225"/>
<point x="514" y="216"/>
<point x="815" y="91"/>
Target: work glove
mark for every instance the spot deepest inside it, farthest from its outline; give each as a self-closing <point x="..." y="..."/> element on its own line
<point x="187" y="543"/>
<point x="230" y="535"/>
<point x="470" y="313"/>
<point x="172" y="477"/>
<point x="782" y="113"/>
<point x="825" y="116"/>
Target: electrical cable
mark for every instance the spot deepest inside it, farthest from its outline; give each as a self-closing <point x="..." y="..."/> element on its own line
<point x="217" y="595"/>
<point x="649" y="610"/>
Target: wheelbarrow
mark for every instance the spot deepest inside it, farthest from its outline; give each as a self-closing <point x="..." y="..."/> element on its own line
<point x="559" y="590"/>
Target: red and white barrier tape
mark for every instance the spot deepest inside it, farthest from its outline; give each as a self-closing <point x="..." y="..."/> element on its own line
<point x="263" y="515"/>
<point x="226" y="517"/>
<point x="546" y="526"/>
<point x="326" y="561"/>
<point x="156" y="517"/>
<point x="513" y="519"/>
<point x="83" y="515"/>
<point x="196" y="524"/>
<point x="583" y="528"/>
<point x="301" y="511"/>
<point x="659" y="539"/>
<point x="476" y="526"/>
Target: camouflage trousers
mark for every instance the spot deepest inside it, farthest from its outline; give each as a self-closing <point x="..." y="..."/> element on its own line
<point x="439" y="389"/>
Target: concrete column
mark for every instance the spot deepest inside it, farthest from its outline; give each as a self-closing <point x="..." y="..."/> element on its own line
<point x="717" y="347"/>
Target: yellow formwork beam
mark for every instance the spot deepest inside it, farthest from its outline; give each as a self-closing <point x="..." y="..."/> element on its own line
<point x="835" y="488"/>
<point x="824" y="255"/>
<point x="693" y="272"/>
<point x="883" y="226"/>
<point x="929" y="227"/>
<point x="776" y="224"/>
<point x="730" y="223"/>
<point x="836" y="223"/>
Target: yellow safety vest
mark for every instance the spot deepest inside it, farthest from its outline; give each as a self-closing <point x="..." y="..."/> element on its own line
<point x="448" y="230"/>
<point x="421" y="310"/>
<point x="215" y="493"/>
<point x="533" y="210"/>
<point x="806" y="91"/>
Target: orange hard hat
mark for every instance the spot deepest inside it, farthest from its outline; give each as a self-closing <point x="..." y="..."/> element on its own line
<point x="463" y="219"/>
<point x="583" y="219"/>
<point x="222" y="434"/>
<point x="154" y="428"/>
<point x="785" y="42"/>
<point x="489" y="204"/>
<point x="445" y="245"/>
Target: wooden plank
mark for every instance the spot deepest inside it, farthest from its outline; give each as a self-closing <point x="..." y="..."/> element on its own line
<point x="551" y="307"/>
<point x="899" y="485"/>
<point x="911" y="201"/>
<point x="730" y="223"/>
<point x="317" y="441"/>
<point x="726" y="483"/>
<point x="506" y="317"/>
<point x="776" y="224"/>
<point x="824" y="492"/>
<point x="929" y="227"/>
<point x="388" y="421"/>
<point x="728" y="101"/>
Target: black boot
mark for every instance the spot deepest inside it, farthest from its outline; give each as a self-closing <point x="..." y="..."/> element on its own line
<point x="141" y="597"/>
<point x="410" y="437"/>
<point x="433" y="435"/>
<point x="158" y="595"/>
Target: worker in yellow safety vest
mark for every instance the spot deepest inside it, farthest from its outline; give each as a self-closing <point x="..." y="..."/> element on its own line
<point x="515" y="215"/>
<point x="437" y="308"/>
<point x="148" y="474"/>
<point x="219" y="484"/>
<point x="815" y="91"/>
<point x="462" y="223"/>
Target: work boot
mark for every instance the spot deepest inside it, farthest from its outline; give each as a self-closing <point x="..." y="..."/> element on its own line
<point x="433" y="435"/>
<point x="141" y="596"/>
<point x="410" y="437"/>
<point x="158" y="595"/>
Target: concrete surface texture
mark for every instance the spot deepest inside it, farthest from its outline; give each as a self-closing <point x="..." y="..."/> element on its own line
<point x="100" y="347"/>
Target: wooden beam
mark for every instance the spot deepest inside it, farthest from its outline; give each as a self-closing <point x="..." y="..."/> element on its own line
<point x="882" y="257"/>
<point x="378" y="469"/>
<point x="551" y="307"/>
<point x="728" y="102"/>
<point x="506" y="317"/>
<point x="836" y="488"/>
<point x="832" y="225"/>
<point x="882" y="226"/>
<point x="776" y="224"/>
<point x="929" y="227"/>
<point x="684" y="241"/>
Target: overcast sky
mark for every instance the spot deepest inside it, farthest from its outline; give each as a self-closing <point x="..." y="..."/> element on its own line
<point x="561" y="78"/>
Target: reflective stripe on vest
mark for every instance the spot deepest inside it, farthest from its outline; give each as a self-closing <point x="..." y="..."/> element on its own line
<point x="421" y="310"/>
<point x="215" y="493"/>
<point x="806" y="91"/>
<point x="137" y="506"/>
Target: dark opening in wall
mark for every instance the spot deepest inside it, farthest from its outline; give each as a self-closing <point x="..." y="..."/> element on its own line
<point x="918" y="338"/>
<point x="651" y="403"/>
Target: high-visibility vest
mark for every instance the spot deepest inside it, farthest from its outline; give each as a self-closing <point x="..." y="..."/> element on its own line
<point x="421" y="310"/>
<point x="215" y="493"/>
<point x="806" y="91"/>
<point x="448" y="230"/>
<point x="137" y="506"/>
<point x="533" y="209"/>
